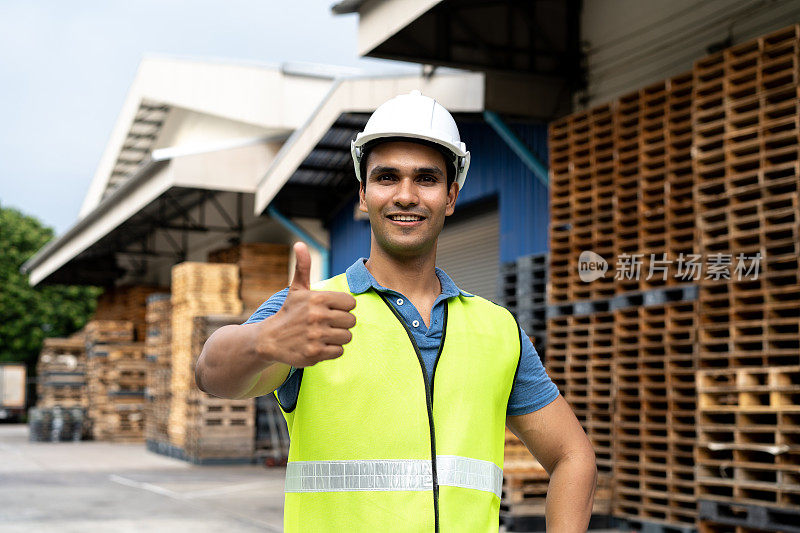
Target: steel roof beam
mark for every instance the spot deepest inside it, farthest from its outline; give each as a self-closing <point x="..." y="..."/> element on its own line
<point x="321" y="168"/>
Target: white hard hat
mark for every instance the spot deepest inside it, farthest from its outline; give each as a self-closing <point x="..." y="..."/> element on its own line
<point x="414" y="116"/>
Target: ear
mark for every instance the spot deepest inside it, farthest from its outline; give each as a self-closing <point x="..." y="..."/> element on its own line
<point x="362" y="200"/>
<point x="452" y="196"/>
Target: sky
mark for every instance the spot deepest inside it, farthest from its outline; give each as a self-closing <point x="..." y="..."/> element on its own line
<point x="65" y="69"/>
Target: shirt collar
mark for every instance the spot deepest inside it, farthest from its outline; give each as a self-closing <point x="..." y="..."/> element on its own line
<point x="360" y="280"/>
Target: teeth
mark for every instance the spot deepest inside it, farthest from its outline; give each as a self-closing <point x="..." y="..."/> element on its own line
<point x="406" y="218"/>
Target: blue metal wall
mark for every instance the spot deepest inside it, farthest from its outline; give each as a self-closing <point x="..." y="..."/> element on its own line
<point x="349" y="239"/>
<point x="523" y="200"/>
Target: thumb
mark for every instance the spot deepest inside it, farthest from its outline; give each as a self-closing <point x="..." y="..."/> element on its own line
<point x="302" y="267"/>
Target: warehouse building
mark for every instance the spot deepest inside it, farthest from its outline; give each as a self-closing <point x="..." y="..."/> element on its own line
<point x="610" y="126"/>
<point x="213" y="163"/>
<point x="207" y="153"/>
<point x="178" y="173"/>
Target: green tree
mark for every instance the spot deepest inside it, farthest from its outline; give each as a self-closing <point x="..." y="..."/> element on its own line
<point x="29" y="314"/>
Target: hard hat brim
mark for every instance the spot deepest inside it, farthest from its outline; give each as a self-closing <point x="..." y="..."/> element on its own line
<point x="362" y="139"/>
<point x="462" y="159"/>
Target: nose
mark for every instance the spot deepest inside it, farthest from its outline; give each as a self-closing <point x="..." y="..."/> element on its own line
<point x="406" y="193"/>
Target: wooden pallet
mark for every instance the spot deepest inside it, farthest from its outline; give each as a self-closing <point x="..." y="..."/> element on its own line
<point x="115" y="383"/>
<point x="748" y="517"/>
<point x="158" y="367"/>
<point x="263" y="270"/>
<point x="622" y="184"/>
<point x="654" y="413"/>
<point x="204" y="284"/>
<point x="61" y="373"/>
<point x="747" y="433"/>
<point x="217" y="428"/>
<point x="198" y="289"/>
<point x="108" y="331"/>
<point x="187" y="342"/>
<point x="704" y="163"/>
<point x="126" y="303"/>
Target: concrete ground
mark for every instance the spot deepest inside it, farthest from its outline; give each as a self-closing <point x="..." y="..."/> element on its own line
<point x="81" y="487"/>
<point x="96" y="486"/>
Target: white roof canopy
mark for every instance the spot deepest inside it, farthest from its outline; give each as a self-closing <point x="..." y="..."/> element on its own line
<point x="185" y="126"/>
<point x="185" y="102"/>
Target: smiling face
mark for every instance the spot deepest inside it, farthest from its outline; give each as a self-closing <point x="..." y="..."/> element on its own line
<point x="405" y="194"/>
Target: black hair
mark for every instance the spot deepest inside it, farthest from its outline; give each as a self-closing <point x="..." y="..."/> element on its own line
<point x="450" y="159"/>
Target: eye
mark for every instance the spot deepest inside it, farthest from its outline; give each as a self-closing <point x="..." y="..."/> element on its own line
<point x="384" y="177"/>
<point x="428" y="178"/>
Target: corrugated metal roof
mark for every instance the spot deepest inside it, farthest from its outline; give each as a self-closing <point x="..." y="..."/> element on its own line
<point x="135" y="151"/>
<point x="325" y="180"/>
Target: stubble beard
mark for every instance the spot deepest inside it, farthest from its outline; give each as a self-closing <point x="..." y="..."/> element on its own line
<point x="400" y="247"/>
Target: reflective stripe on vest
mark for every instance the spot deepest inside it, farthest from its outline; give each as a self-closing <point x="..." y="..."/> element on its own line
<point x="393" y="474"/>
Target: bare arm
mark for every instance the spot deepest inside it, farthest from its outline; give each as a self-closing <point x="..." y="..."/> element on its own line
<point x="254" y="359"/>
<point x="234" y="363"/>
<point x="555" y="437"/>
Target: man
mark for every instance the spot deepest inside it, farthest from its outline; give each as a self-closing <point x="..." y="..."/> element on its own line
<point x="395" y="384"/>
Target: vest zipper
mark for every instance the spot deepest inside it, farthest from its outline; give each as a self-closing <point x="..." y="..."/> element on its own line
<point x="428" y="399"/>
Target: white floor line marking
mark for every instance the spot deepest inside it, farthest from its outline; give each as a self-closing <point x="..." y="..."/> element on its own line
<point x="189" y="496"/>
<point x="225" y="490"/>
<point x="145" y="486"/>
<point x="186" y="495"/>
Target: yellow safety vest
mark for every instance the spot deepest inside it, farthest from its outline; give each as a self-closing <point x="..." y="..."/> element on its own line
<point x="374" y="448"/>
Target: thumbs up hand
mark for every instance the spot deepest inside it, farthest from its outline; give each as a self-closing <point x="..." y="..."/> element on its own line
<point x="311" y="326"/>
<point x="302" y="268"/>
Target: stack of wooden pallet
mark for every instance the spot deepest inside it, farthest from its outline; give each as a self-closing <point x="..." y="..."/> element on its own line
<point x="581" y="201"/>
<point x="523" y="291"/>
<point x="217" y="429"/>
<point x="622" y="188"/>
<point x="116" y="380"/>
<point x="198" y="289"/>
<point x="654" y="406"/>
<point x="108" y="331"/>
<point x="748" y="193"/>
<point x="580" y="360"/>
<point x="621" y="185"/>
<point x="61" y="373"/>
<point x="692" y="186"/>
<point x="126" y="302"/>
<point x="263" y="270"/>
<point x="622" y="178"/>
<point x="157" y="349"/>
<point x="524" y="483"/>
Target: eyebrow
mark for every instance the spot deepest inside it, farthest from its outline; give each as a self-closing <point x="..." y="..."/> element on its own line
<point x="429" y="170"/>
<point x="419" y="170"/>
<point x="382" y="170"/>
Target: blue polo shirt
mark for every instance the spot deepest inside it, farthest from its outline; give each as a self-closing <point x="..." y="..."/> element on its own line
<point x="532" y="390"/>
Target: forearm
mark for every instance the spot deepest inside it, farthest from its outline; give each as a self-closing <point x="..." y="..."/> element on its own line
<point x="232" y="364"/>
<point x="570" y="494"/>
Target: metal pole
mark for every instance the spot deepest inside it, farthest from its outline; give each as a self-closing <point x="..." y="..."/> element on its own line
<point x="518" y="147"/>
<point x="305" y="237"/>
